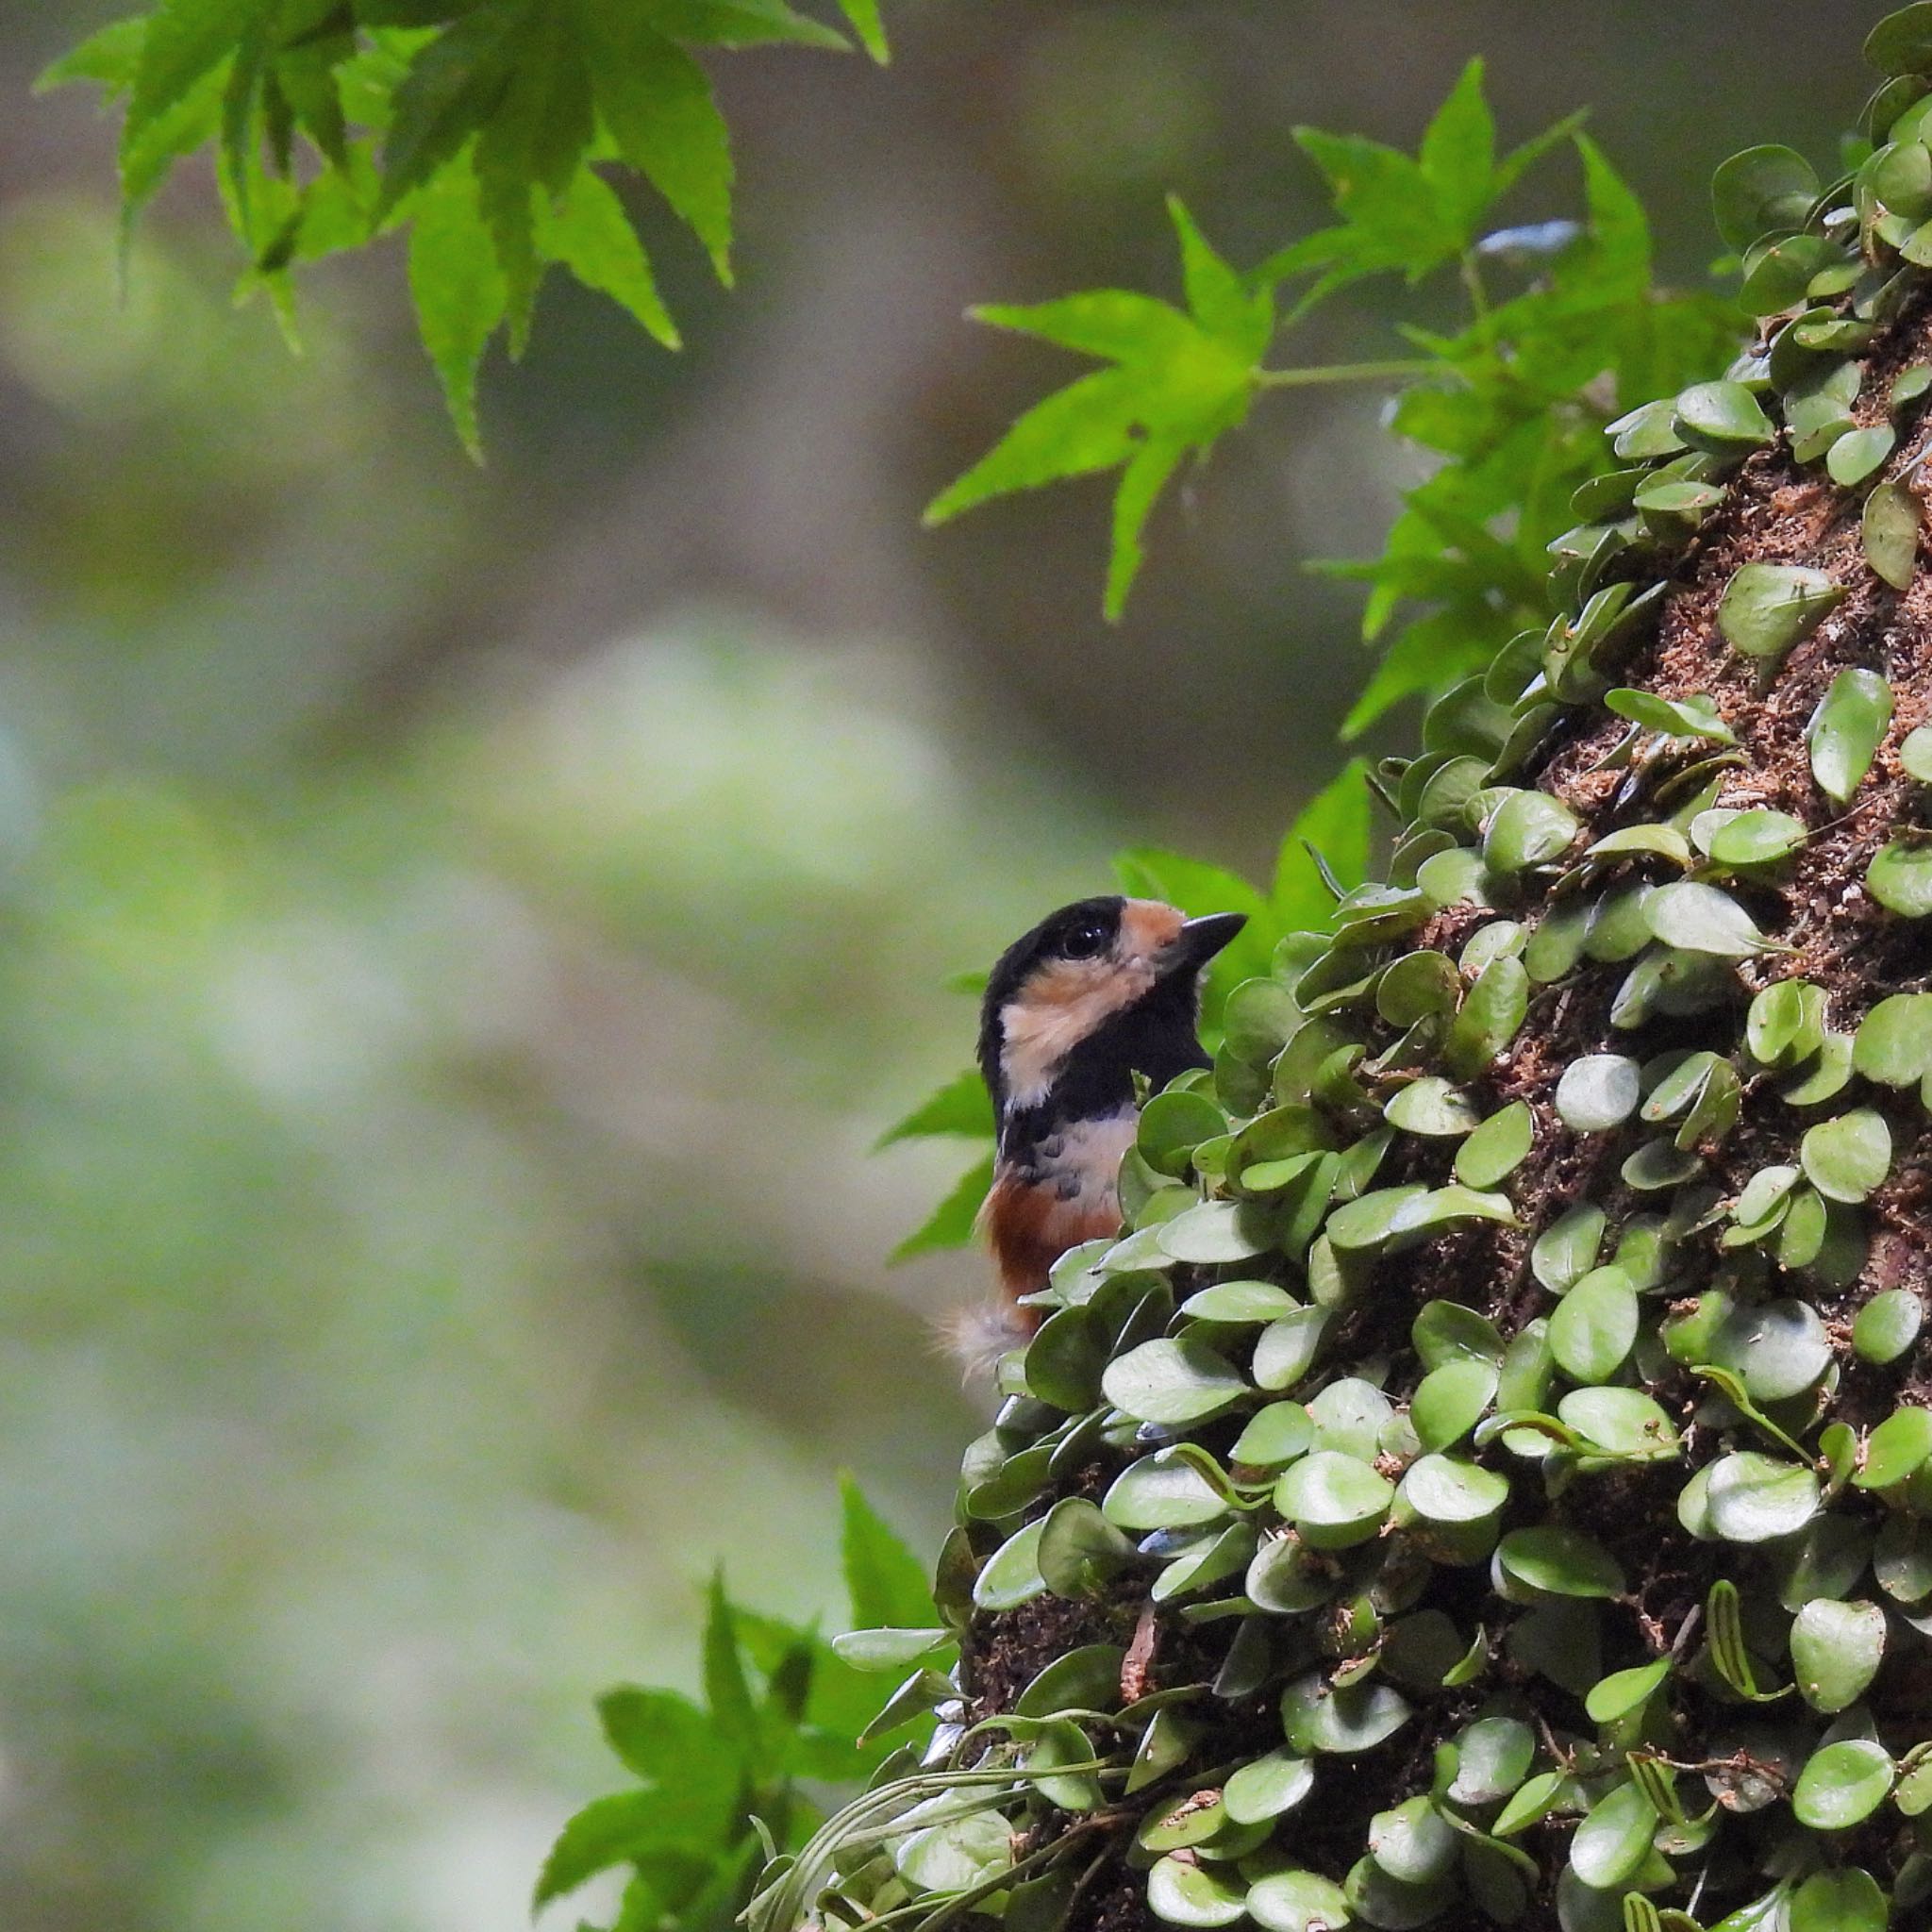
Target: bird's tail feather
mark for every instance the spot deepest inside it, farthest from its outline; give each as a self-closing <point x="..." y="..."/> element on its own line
<point x="977" y="1334"/>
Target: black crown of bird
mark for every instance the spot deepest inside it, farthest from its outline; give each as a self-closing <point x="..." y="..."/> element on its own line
<point x="1097" y="992"/>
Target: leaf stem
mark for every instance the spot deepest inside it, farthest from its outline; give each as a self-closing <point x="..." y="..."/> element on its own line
<point x="1343" y="371"/>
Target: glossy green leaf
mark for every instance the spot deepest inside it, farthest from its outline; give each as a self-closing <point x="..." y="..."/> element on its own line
<point x="1298" y="1902"/>
<point x="1836" y="1651"/>
<point x="1614" y="1839"/>
<point x="1617" y="1695"/>
<point x="1862" y="453"/>
<point x="1846" y="1899"/>
<point x="1890" y="533"/>
<point x="1751" y="1498"/>
<point x="1267" y="1787"/>
<point x="1893" y="1044"/>
<point x="1560" y="1561"/>
<point x="1697" y="918"/>
<point x="1689" y="718"/>
<point x="1192" y="1895"/>
<point x="1597" y="1092"/>
<point x="1529" y="829"/>
<point x="1078" y="1551"/>
<point x="1897" y="1448"/>
<point x="1887" y="1325"/>
<point x="1433" y="1108"/>
<point x="1450" y="1399"/>
<point x="1842" y="1785"/>
<point x="1847" y="1158"/>
<point x="1172" y="1382"/>
<point x="1915" y="755"/>
<point x="1497" y="1148"/>
<point x="1756" y="837"/>
<point x="1595" y="1327"/>
<point x="1768" y="608"/>
<point x="1011" y="1576"/>
<point x="1333" y="1500"/>
<point x="1900" y="877"/>
<point x="1724" y="416"/>
<point x="1567" y="1250"/>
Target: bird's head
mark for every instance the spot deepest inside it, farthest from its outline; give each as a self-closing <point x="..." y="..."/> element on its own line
<point x="1099" y="991"/>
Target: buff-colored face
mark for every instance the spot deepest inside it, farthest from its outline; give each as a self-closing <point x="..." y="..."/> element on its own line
<point x="1063" y="1001"/>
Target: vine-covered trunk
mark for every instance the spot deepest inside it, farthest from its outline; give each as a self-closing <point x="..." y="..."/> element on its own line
<point x="1491" y="1483"/>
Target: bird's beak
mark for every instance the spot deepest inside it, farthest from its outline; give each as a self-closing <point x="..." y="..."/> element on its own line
<point x="1199" y="940"/>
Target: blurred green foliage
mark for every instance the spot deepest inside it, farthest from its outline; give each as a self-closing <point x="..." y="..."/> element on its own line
<point x="480" y="126"/>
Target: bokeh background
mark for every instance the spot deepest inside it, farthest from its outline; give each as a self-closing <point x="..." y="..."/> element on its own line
<point x="461" y="930"/>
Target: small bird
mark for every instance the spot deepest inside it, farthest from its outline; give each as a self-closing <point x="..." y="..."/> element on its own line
<point x="1101" y="990"/>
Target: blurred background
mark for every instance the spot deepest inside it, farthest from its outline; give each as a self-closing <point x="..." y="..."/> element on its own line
<point x="461" y="930"/>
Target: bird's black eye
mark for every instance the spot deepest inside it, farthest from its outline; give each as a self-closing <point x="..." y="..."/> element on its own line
<point x="1084" y="941"/>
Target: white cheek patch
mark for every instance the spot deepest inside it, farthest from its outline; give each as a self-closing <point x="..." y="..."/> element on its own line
<point x="1040" y="1029"/>
<point x="1085" y="1169"/>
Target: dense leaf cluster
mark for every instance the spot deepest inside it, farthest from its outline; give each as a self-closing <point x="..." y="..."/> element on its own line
<point x="1603" y="1604"/>
<point x="487" y="128"/>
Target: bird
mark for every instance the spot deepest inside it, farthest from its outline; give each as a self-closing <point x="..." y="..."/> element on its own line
<point x="1097" y="992"/>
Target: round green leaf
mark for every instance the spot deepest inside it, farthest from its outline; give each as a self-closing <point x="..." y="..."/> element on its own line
<point x="1725" y="415"/>
<point x="1172" y="1125"/>
<point x="1836" y="1651"/>
<point x="1619" y="1422"/>
<point x="1846" y="1158"/>
<point x="1614" y="1840"/>
<point x="1598" y="1092"/>
<point x="1697" y="918"/>
<point x="1889" y="532"/>
<point x="1566" y="1251"/>
<point x="1450" y="1400"/>
<point x="1446" y="1488"/>
<point x="1275" y="1437"/>
<point x="1165" y="1490"/>
<point x="1287" y="1348"/>
<point x="1432" y="1107"/>
<point x="1497" y="1147"/>
<point x="1079" y="1551"/>
<point x="1901" y="43"/>
<point x="1172" y="1382"/>
<point x="1011" y="1576"/>
<point x="1900" y="877"/>
<point x="1268" y="1786"/>
<point x="1245" y="1302"/>
<point x="1887" y="1325"/>
<point x="1366" y="1224"/>
<point x="1195" y="1895"/>
<point x="1528" y="828"/>
<point x="1764" y="191"/>
<point x="1894" y="1045"/>
<point x="1349" y="1415"/>
<point x="1749" y="1498"/>
<point x="1756" y="837"/>
<point x="1412" y="1842"/>
<point x="1215" y="1233"/>
<point x="1560" y="1561"/>
<point x="1777" y="1349"/>
<point x="1197" y="1817"/>
<point x="1862" y="453"/>
<point x="1902" y="1560"/>
<point x="1317" y="1716"/>
<point x="956" y="1855"/>
<point x="1595" y="1327"/>
<point x="1333" y="1500"/>
<point x="1622" y="1692"/>
<point x="1845" y="730"/>
<point x="1915" y="755"/>
<point x="1768" y="608"/>
<point x="1417" y="987"/>
<point x="1847" y="1899"/>
<point x="1896" y="1449"/>
<point x="1298" y="1902"/>
<point x="1842" y="1785"/>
